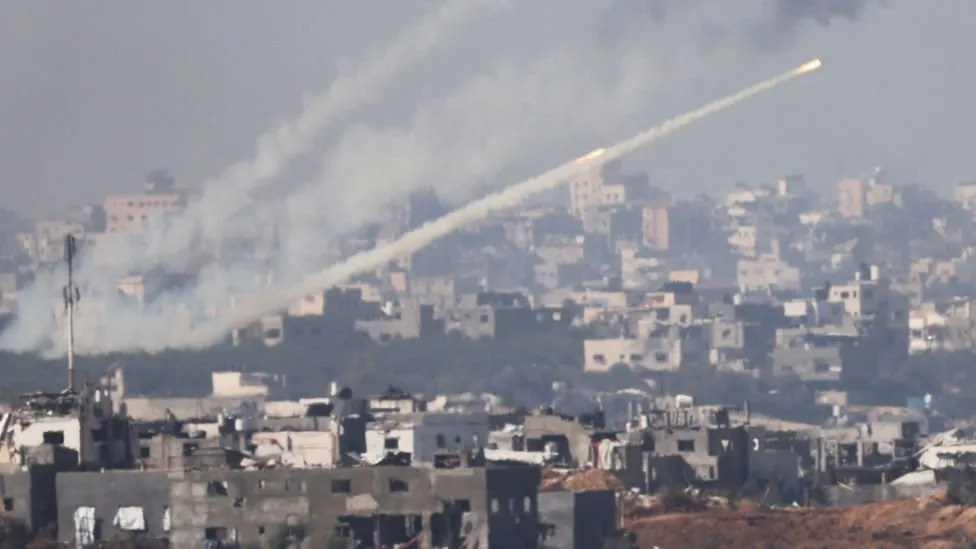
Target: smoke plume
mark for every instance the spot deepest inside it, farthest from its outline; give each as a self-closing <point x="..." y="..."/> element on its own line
<point x="274" y="299"/>
<point x="773" y="29"/>
<point x="207" y="224"/>
<point x="573" y="92"/>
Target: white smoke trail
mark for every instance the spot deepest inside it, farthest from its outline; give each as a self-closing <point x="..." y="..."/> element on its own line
<point x="185" y="242"/>
<point x="275" y="299"/>
<point x="204" y="224"/>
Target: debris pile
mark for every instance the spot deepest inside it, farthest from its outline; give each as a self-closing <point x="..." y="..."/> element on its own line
<point x="586" y="480"/>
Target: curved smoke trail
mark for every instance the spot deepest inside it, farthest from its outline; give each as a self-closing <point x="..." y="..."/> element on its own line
<point x="203" y="225"/>
<point x="275" y="299"/>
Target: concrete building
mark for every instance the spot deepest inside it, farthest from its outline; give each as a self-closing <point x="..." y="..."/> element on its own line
<point x="494" y="315"/>
<point x="965" y="194"/>
<point x="124" y="212"/>
<point x="577" y="520"/>
<point x="491" y="507"/>
<point x="655" y="227"/>
<point x="567" y="440"/>
<point x="83" y="422"/>
<point x="809" y="356"/>
<point x="29" y="496"/>
<point x="767" y="273"/>
<point x="395" y="401"/>
<point x="851" y="199"/>
<point x="424" y="435"/>
<point x="406" y="320"/>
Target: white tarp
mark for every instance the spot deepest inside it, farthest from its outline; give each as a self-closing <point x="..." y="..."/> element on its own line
<point x="130" y="519"/>
<point x="84" y="518"/>
<point x="166" y="519"/>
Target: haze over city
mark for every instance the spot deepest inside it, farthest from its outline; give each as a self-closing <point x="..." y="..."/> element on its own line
<point x="545" y="274"/>
<point x="94" y="96"/>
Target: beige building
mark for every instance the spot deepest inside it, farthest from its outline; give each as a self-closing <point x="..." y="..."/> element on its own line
<point x="124" y="212"/>
<point x="596" y="188"/>
<point x="965" y="194"/>
<point x="851" y="197"/>
<point x="880" y="193"/>
<point x="654" y="223"/>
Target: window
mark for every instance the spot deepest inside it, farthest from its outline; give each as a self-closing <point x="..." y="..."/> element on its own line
<point x="821" y="367"/>
<point x="144" y="452"/>
<point x="636" y="357"/>
<point x="527" y="504"/>
<point x="217" y="488"/>
<point x="484" y="319"/>
<point x="494" y="505"/>
<point x="686" y="445"/>
<point x="391" y="443"/>
<point x="661" y="357"/>
<point x="8" y="504"/>
<point x="441" y="443"/>
<point x="711" y="471"/>
<point x="189" y="448"/>
<point x="397" y="485"/>
<point x="599" y="359"/>
<point x="341" y="486"/>
<point x="53" y="437"/>
<point x="457" y="439"/>
<point x="845" y="295"/>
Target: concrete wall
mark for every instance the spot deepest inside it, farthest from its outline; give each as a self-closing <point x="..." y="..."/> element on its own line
<point x="494" y="507"/>
<point x="108" y="491"/>
<point x="580" y="520"/>
<point x="839" y="496"/>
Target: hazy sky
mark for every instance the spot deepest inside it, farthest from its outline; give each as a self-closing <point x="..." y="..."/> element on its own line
<point x="96" y="94"/>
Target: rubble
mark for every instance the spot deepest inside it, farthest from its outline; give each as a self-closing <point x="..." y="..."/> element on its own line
<point x="586" y="480"/>
<point x="928" y="523"/>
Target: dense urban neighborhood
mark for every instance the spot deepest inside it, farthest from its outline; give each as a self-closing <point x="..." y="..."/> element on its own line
<point x="772" y="344"/>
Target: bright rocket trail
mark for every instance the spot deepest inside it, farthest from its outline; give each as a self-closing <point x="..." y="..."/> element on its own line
<point x="205" y="222"/>
<point x="275" y="299"/>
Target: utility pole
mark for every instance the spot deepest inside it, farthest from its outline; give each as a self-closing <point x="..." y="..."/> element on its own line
<point x="71" y="297"/>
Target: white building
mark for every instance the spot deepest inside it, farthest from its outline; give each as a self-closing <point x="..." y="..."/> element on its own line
<point x="83" y="422"/>
<point x="424" y="434"/>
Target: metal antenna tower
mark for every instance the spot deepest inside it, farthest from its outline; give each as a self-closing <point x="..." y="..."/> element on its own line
<point x="71" y="297"/>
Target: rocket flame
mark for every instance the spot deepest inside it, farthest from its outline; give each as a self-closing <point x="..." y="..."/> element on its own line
<point x="596" y="153"/>
<point x="809" y="66"/>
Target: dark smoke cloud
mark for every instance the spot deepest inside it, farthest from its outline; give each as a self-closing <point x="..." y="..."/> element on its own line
<point x="773" y="29"/>
<point x="781" y="20"/>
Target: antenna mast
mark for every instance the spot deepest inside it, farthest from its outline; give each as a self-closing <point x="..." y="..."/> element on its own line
<point x="71" y="297"/>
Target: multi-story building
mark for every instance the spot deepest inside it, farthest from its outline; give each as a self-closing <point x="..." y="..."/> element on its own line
<point x="851" y="197"/>
<point x="655" y="227"/>
<point x="767" y="273"/>
<point x="125" y="212"/>
<point x="486" y="506"/>
<point x="424" y="435"/>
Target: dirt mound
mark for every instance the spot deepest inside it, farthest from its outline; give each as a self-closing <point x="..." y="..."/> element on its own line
<point x="586" y="480"/>
<point x="908" y="523"/>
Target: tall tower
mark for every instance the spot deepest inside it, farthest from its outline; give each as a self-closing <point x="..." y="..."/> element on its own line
<point x="71" y="297"/>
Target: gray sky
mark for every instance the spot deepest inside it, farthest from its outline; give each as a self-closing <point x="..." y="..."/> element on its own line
<point x="95" y="95"/>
